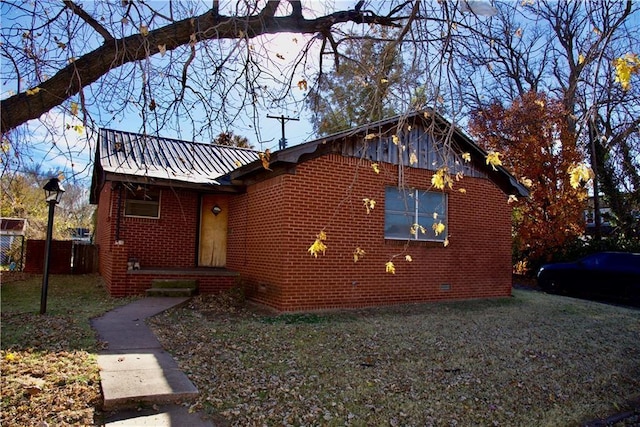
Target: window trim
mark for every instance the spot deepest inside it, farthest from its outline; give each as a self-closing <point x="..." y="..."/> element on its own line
<point x="128" y="199"/>
<point x="429" y="236"/>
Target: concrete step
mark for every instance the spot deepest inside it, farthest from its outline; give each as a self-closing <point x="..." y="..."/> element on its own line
<point x="170" y="292"/>
<point x="174" y="283"/>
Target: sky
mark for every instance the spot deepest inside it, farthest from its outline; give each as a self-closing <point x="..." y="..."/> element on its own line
<point x="71" y="149"/>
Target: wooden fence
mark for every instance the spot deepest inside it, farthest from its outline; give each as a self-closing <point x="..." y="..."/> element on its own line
<point x="66" y="257"/>
<point x="85" y="259"/>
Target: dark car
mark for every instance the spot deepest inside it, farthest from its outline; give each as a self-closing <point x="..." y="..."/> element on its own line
<point x="612" y="274"/>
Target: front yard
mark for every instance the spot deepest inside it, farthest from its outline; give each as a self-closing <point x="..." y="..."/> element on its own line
<point x="48" y="365"/>
<point x="532" y="360"/>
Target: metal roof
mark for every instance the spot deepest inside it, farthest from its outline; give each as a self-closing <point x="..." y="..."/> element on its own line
<point x="292" y="155"/>
<point x="13" y="226"/>
<point x="132" y="154"/>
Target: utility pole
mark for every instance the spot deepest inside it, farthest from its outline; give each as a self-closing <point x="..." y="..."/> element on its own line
<point x="283" y="119"/>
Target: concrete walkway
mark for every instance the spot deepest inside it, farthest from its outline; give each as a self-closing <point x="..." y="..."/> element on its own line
<point x="135" y="370"/>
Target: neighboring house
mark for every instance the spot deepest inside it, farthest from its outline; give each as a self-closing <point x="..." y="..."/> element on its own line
<point x="607" y="218"/>
<point x="590" y="217"/>
<point x="224" y="216"/>
<point x="12" y="236"/>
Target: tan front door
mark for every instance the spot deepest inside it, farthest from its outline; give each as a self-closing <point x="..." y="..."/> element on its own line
<point x="213" y="231"/>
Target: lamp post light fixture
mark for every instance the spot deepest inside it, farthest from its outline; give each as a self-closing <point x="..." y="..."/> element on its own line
<point x="52" y="195"/>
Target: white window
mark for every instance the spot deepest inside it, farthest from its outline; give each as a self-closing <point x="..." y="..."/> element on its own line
<point x="411" y="214"/>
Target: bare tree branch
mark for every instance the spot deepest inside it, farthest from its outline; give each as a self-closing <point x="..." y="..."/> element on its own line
<point x="114" y="53"/>
<point x="88" y="19"/>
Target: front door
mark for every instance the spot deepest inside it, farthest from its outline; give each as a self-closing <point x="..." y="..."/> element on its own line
<point x="214" y="212"/>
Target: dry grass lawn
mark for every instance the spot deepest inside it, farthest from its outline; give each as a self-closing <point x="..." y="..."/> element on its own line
<point x="530" y="360"/>
<point x="48" y="362"/>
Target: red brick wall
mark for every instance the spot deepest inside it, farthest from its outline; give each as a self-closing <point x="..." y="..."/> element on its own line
<point x="277" y="220"/>
<point x="166" y="243"/>
<point x="103" y="234"/>
<point x="272" y="225"/>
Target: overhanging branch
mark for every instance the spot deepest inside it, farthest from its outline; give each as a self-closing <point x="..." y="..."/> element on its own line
<point x="114" y="53"/>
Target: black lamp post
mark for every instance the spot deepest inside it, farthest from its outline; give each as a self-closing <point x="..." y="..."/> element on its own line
<point x="52" y="194"/>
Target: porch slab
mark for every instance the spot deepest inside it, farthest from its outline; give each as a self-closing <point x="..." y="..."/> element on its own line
<point x="202" y="271"/>
<point x="149" y="376"/>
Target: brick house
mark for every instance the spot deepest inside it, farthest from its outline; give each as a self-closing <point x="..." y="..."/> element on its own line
<point x="223" y="216"/>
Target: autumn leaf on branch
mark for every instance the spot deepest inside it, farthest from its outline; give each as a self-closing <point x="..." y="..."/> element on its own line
<point x="580" y="174"/>
<point x="265" y="158"/>
<point x="390" y="268"/>
<point x="441" y="179"/>
<point x="417" y="227"/>
<point x="624" y="68"/>
<point x="438" y="227"/>
<point x="318" y="246"/>
<point x="493" y="159"/>
<point x="369" y="204"/>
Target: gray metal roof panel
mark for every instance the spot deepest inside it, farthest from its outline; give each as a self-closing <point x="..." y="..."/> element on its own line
<point x="165" y="158"/>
